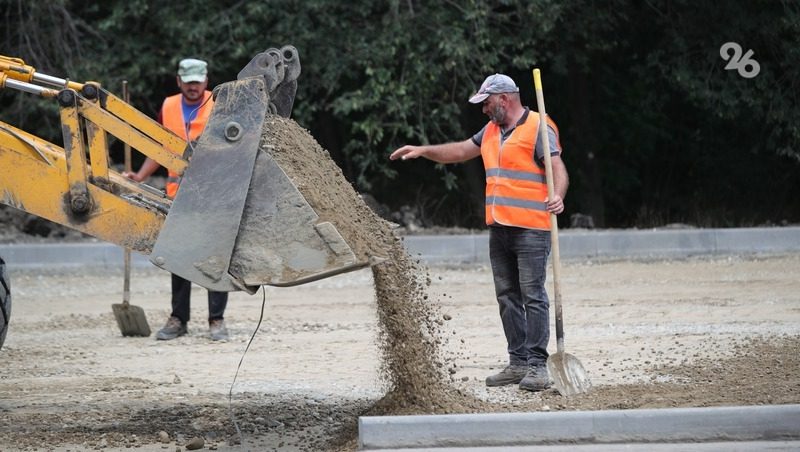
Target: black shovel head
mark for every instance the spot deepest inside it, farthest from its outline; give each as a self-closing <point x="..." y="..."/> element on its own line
<point x="131" y="320"/>
<point x="569" y="376"/>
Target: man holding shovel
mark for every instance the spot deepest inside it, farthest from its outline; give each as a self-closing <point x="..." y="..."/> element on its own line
<point x="186" y="114"/>
<point x="518" y="215"/>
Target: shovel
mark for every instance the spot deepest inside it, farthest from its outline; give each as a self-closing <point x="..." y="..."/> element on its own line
<point x="567" y="372"/>
<point x="131" y="319"/>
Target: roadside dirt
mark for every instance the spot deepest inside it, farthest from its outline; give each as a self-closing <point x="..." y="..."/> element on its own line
<point x="697" y="332"/>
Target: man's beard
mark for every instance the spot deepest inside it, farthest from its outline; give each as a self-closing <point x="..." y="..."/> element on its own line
<point x="498" y="115"/>
<point x="193" y="95"/>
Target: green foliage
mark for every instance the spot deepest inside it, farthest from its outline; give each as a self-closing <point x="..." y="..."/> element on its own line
<point x="700" y="144"/>
<point x="654" y="128"/>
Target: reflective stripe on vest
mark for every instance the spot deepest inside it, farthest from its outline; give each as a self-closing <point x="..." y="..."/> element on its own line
<point x="172" y="119"/>
<point x="513" y="174"/>
<point x="514" y="202"/>
<point x="516" y="186"/>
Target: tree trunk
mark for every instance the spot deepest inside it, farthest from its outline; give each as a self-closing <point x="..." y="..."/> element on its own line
<point x="583" y="150"/>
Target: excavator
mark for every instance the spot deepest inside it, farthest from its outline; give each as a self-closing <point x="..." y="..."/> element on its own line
<point x="222" y="188"/>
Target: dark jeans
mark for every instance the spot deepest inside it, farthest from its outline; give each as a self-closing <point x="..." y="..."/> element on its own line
<point x="519" y="265"/>
<point x="181" y="292"/>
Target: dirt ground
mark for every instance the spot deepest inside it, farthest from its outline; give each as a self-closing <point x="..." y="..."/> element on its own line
<point x="694" y="332"/>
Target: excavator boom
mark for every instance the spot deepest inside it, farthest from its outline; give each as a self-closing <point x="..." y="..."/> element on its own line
<point x="237" y="221"/>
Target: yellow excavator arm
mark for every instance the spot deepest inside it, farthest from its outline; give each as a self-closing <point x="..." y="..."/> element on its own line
<point x="232" y="192"/>
<point x="73" y="185"/>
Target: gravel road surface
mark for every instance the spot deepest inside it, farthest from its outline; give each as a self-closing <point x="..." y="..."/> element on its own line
<point x="694" y="332"/>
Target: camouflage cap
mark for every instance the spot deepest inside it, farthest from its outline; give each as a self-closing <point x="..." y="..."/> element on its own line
<point x="494" y="84"/>
<point x="192" y="70"/>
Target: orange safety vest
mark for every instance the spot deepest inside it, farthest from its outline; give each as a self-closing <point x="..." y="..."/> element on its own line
<point x="172" y="119"/>
<point x="516" y="187"/>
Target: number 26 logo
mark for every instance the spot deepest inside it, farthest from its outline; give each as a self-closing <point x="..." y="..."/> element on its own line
<point x="739" y="62"/>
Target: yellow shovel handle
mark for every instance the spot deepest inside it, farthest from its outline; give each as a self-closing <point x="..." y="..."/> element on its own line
<point x="548" y="166"/>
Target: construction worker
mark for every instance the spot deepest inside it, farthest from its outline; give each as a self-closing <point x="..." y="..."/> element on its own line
<point x="186" y="114"/>
<point x="518" y="215"/>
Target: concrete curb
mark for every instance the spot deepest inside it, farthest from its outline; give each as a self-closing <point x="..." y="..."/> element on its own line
<point x="584" y="244"/>
<point x="474" y="248"/>
<point x="740" y="423"/>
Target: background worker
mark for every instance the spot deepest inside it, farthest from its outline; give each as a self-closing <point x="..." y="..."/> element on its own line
<point x="186" y="114"/>
<point x="518" y="215"/>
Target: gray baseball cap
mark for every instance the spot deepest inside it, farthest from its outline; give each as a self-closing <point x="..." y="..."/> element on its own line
<point x="192" y="70"/>
<point x="494" y="84"/>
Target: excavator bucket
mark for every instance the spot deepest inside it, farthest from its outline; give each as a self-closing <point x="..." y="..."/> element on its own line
<point x="255" y="226"/>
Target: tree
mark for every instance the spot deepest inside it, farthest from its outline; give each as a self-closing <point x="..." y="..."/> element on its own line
<point x="655" y="129"/>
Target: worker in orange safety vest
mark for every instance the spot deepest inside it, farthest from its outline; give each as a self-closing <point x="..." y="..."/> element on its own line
<point x="518" y="215"/>
<point x="186" y="114"/>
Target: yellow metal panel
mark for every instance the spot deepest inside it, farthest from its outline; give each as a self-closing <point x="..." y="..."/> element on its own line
<point x="16" y="69"/>
<point x="33" y="186"/>
<point x="98" y="152"/>
<point x="136" y="139"/>
<point x="139" y="120"/>
<point x="21" y="142"/>
<point x="76" y="155"/>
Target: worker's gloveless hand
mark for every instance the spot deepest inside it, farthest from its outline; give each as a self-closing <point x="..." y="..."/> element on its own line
<point x="406" y="152"/>
<point x="132" y="176"/>
<point x="555" y="206"/>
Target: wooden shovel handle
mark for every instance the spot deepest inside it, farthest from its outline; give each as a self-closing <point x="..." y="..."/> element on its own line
<point x="548" y="168"/>
<point x="126" y="285"/>
<point x="127" y="98"/>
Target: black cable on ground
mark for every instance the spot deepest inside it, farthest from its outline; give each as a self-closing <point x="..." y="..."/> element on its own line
<point x="230" y="392"/>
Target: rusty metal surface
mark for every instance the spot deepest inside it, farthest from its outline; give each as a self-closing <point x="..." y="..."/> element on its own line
<point x="131" y="320"/>
<point x="279" y="68"/>
<point x="281" y="241"/>
<point x="201" y="228"/>
<point x="238" y="221"/>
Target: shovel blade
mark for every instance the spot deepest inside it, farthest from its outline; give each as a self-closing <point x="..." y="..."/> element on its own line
<point x="131" y="320"/>
<point x="569" y="376"/>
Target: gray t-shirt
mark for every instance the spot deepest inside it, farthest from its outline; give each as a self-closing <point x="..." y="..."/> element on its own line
<point x="504" y="134"/>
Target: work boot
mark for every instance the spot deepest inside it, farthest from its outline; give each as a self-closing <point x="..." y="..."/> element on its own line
<point x="217" y="330"/>
<point x="171" y="330"/>
<point x="511" y="375"/>
<point x="537" y="379"/>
